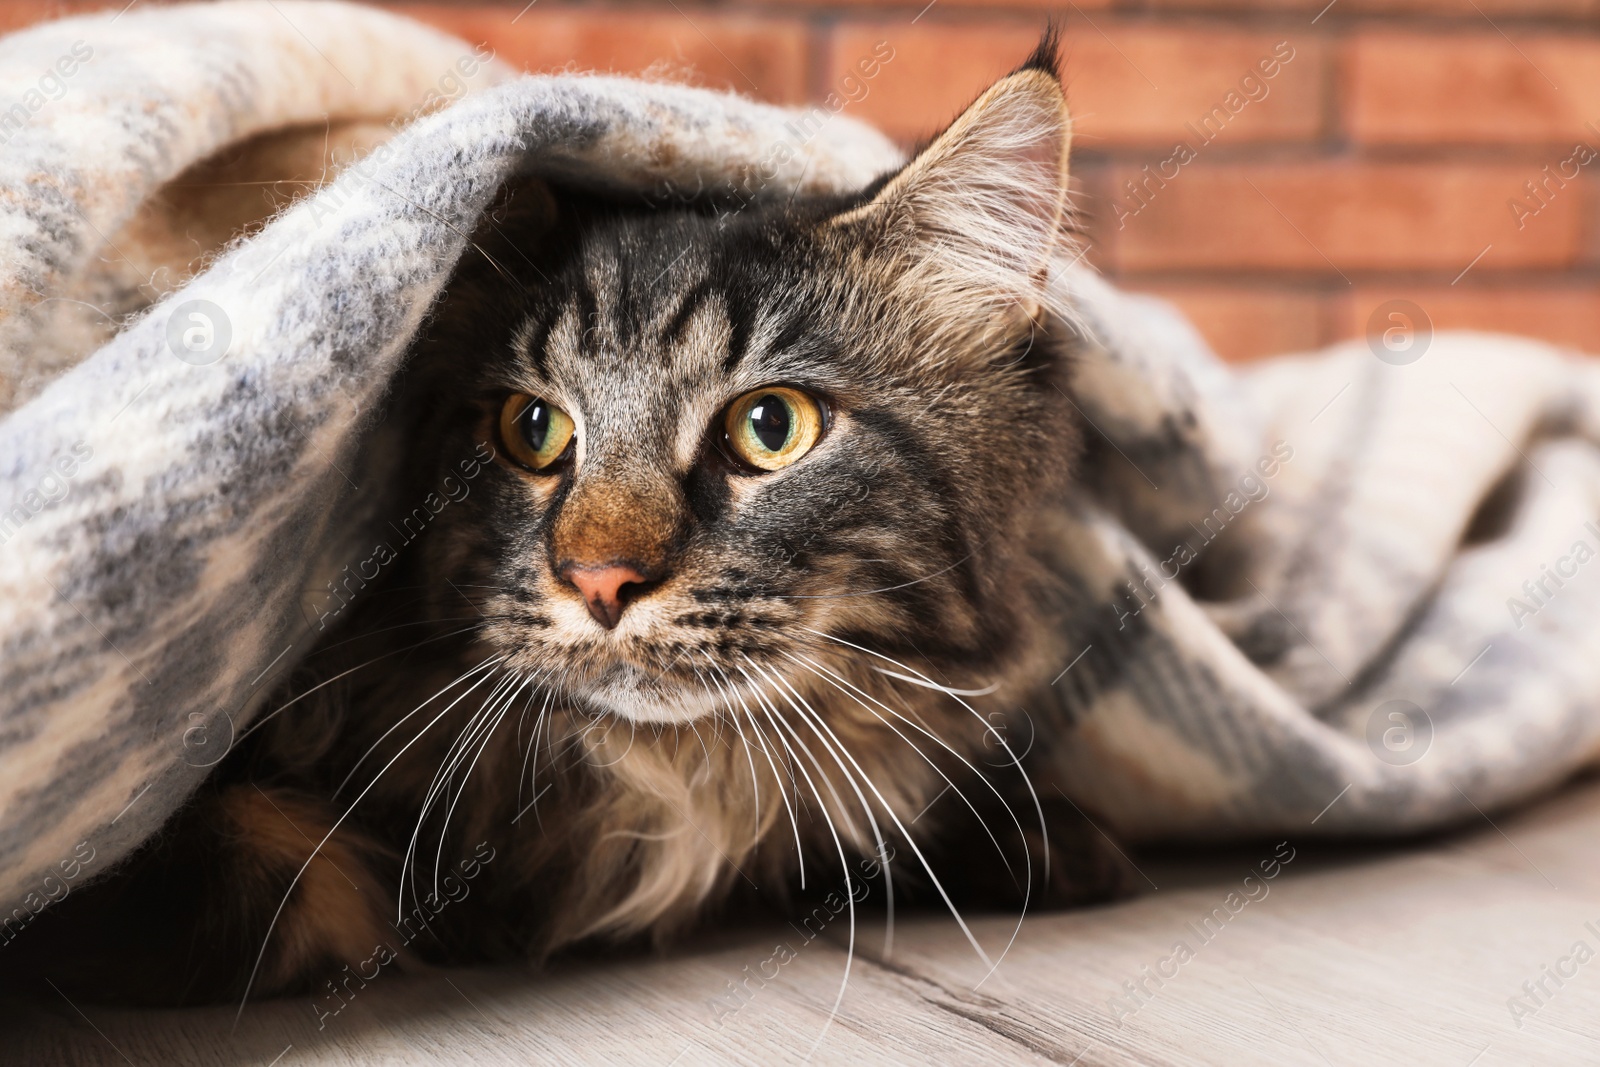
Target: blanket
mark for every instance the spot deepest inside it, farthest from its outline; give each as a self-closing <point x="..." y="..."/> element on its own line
<point x="223" y="223"/>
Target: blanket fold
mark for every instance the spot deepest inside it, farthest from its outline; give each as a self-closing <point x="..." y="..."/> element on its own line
<point x="181" y="450"/>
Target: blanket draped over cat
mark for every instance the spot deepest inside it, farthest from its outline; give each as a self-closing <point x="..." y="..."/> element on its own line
<point x="1399" y="627"/>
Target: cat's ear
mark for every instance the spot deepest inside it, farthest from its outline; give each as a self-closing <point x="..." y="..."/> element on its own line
<point x="981" y="207"/>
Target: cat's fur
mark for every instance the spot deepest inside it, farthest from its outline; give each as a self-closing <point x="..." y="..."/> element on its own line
<point x="786" y="695"/>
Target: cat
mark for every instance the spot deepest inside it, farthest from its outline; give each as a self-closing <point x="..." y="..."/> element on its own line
<point x="718" y="536"/>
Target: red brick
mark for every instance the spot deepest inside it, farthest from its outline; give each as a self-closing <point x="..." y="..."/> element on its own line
<point x="935" y="71"/>
<point x="1328" y="218"/>
<point x="1431" y="88"/>
<point x="1248" y="322"/>
<point x="1565" y="314"/>
<point x="915" y="8"/>
<point x="759" y="56"/>
<point x="1337" y="11"/>
<point x="1303" y="9"/>
<point x="17" y="14"/>
<point x="1127" y="84"/>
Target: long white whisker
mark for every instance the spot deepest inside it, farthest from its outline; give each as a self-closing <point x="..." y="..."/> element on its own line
<point x="271" y="926"/>
<point x="483" y="745"/>
<point x="538" y="726"/>
<point x="844" y="864"/>
<point x="926" y="684"/>
<point x="1016" y="760"/>
<point x="830" y="744"/>
<point x="934" y="878"/>
<point x="716" y="719"/>
<point x="851" y="690"/>
<point x="884" y="589"/>
<point x="490" y="663"/>
<point x="440" y="782"/>
<point x="550" y="754"/>
<point x="262" y="721"/>
<point x="733" y="714"/>
<point x="533" y="780"/>
<point x="522" y="720"/>
<point x="761" y="738"/>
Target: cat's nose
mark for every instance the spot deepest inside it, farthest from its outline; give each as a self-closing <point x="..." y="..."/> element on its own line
<point x="605" y="589"/>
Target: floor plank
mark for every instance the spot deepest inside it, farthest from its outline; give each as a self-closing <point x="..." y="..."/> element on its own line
<point x="1407" y="954"/>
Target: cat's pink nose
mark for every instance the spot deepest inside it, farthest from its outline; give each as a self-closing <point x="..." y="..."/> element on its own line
<point x="604" y="588"/>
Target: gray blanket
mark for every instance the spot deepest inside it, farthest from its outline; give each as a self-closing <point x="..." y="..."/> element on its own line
<point x="1393" y="629"/>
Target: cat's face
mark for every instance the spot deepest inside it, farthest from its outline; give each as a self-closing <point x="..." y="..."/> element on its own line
<point x="725" y="445"/>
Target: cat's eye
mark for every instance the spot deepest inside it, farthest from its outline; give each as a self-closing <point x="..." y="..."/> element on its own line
<point x="772" y="427"/>
<point x="535" y="431"/>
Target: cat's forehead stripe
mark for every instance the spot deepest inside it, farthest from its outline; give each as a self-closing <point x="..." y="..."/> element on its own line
<point x="528" y="343"/>
<point x="687" y="318"/>
<point x="693" y="301"/>
<point x="704" y="338"/>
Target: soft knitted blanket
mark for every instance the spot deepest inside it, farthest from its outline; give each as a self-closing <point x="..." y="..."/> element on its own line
<point x="188" y="374"/>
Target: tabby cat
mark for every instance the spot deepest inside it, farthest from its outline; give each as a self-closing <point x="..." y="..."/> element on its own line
<point x="739" y="527"/>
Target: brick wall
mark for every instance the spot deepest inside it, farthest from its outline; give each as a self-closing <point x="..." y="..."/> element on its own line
<point x="1333" y="158"/>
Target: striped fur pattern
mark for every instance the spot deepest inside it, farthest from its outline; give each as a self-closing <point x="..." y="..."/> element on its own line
<point x="1191" y="590"/>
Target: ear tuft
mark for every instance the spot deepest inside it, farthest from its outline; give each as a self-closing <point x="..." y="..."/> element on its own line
<point x="1046" y="58"/>
<point x="972" y="223"/>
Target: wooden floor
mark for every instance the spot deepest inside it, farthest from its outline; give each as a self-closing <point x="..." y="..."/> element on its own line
<point x="1410" y="956"/>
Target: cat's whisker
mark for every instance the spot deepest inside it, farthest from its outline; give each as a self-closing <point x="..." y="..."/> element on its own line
<point x="545" y="725"/>
<point x="435" y="784"/>
<point x="533" y="737"/>
<point x="883" y="850"/>
<point x="716" y="715"/>
<point x="733" y="716"/>
<point x="760" y="732"/>
<point x="262" y="720"/>
<point x="272" y="925"/>
<point x="761" y="738"/>
<point x="366" y="634"/>
<point x="1016" y="760"/>
<point x="884" y="589"/>
<point x="490" y="663"/>
<point x="936" y="687"/>
<point x="695" y="727"/>
<point x="835" y="748"/>
<point x="483" y="745"/>
<point x="844" y="864"/>
<point x="570" y="743"/>
<point x="856" y="694"/>
<point x="954" y="695"/>
<point x="522" y="720"/>
<point x="440" y="784"/>
<point x="938" y="886"/>
<point x="703" y="774"/>
<point x="951" y="786"/>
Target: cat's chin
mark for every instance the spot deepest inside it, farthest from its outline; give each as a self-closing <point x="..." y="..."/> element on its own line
<point x="638" y="696"/>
